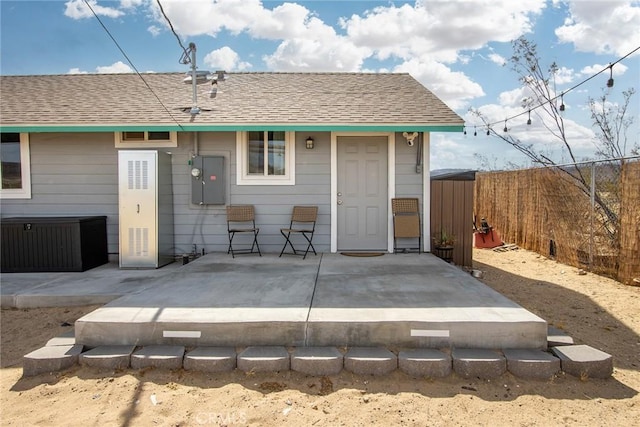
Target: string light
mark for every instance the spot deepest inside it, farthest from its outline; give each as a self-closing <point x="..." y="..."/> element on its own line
<point x="529" y="121"/>
<point x="475" y="131"/>
<point x="610" y="81"/>
<point x="561" y="96"/>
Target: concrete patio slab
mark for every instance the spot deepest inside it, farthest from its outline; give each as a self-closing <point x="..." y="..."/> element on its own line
<point x="99" y="285"/>
<point x="403" y="300"/>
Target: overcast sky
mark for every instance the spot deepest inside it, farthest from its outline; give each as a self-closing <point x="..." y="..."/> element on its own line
<point x="457" y="49"/>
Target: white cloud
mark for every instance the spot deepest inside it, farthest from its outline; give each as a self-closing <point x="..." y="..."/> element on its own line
<point x="210" y="17"/>
<point x="115" y="68"/>
<point x="76" y="71"/>
<point x="453" y="87"/>
<point x="130" y="4"/>
<point x="564" y="75"/>
<point x="441" y="28"/>
<point x="77" y="9"/>
<point x="154" y="30"/>
<point x="497" y="59"/>
<point x="538" y="134"/>
<point x="611" y="26"/>
<point x="226" y="59"/>
<point x="618" y="69"/>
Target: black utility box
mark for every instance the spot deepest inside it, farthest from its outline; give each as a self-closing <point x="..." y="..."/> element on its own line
<point x="50" y="244"/>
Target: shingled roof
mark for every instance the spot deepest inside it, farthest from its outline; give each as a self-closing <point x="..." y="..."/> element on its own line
<point x="291" y="101"/>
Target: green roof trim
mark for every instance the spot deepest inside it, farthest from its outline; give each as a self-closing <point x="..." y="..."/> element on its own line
<point x="233" y="128"/>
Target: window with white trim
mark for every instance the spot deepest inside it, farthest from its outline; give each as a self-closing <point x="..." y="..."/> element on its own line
<point x="265" y="158"/>
<point x="15" y="167"/>
<point x="141" y="139"/>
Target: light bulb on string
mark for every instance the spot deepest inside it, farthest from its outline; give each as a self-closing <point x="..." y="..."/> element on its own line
<point x="562" y="101"/>
<point x="505" y="126"/>
<point x="475" y="131"/>
<point x="610" y="81"/>
<point x="488" y="131"/>
<point x="464" y="130"/>
<point x="529" y="121"/>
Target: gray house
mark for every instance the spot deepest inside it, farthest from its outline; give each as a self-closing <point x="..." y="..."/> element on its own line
<point x="347" y="143"/>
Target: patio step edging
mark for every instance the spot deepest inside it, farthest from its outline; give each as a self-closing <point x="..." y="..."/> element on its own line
<point x="324" y="361"/>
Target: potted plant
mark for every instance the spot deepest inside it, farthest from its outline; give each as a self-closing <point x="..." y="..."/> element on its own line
<point x="444" y="240"/>
<point x="443" y="245"/>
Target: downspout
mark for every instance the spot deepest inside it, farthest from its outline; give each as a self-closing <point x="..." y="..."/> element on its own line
<point x="419" y="155"/>
<point x="426" y="191"/>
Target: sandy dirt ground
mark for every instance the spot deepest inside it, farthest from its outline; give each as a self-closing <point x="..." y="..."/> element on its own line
<point x="593" y="310"/>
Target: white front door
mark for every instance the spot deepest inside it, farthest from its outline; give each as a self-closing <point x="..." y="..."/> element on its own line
<point x="362" y="193"/>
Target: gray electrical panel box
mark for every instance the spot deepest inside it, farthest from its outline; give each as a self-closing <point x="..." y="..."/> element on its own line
<point x="207" y="180"/>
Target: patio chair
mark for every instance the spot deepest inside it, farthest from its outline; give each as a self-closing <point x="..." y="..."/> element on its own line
<point x="303" y="221"/>
<point x="241" y="219"/>
<point x="406" y="223"/>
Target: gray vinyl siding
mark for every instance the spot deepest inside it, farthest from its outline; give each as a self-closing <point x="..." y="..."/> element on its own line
<point x="408" y="182"/>
<point x="77" y="174"/>
<point x="205" y="226"/>
<point x="72" y="175"/>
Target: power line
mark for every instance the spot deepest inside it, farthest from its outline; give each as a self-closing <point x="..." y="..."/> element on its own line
<point x="132" y="64"/>
<point x="185" y="57"/>
<point x="529" y="110"/>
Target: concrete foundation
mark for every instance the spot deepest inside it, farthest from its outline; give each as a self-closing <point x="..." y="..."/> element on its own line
<point x="404" y="300"/>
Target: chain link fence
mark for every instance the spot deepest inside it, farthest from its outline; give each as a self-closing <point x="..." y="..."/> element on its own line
<point x="584" y="214"/>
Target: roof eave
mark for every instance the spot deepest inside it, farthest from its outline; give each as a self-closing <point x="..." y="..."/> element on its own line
<point x="232" y="127"/>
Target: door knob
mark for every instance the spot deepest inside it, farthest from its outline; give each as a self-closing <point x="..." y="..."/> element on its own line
<point x="339" y="194"/>
<point x="339" y="201"/>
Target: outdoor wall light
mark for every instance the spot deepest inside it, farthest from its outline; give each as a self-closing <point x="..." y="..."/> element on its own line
<point x="309" y="143"/>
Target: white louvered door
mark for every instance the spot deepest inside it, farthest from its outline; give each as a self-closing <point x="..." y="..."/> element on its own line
<point x="138" y="208"/>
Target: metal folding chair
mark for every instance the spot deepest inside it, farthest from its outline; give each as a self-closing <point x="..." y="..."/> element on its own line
<point x="406" y="223"/>
<point x="303" y="221"/>
<point x="241" y="219"/>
